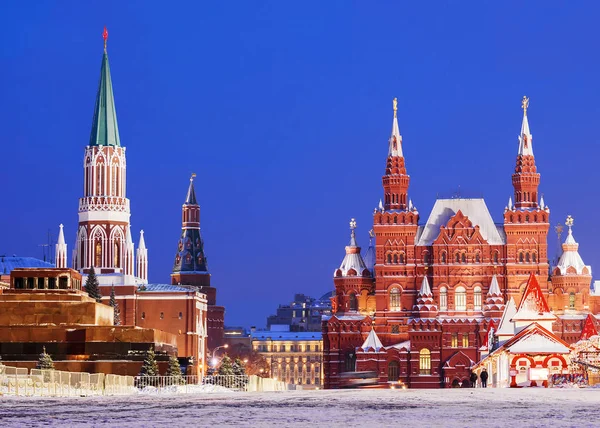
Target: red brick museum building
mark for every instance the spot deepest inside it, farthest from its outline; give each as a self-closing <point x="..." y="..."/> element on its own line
<point x="418" y="306"/>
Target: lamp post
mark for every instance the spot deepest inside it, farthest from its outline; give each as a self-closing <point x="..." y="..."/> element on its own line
<point x="213" y="360"/>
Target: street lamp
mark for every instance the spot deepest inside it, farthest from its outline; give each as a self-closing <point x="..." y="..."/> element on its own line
<point x="214" y="361"/>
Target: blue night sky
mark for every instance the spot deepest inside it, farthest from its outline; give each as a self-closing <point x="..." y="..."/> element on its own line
<point x="283" y="109"/>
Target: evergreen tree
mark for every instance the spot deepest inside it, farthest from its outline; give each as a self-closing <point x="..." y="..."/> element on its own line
<point x="226" y="367"/>
<point x="45" y="361"/>
<point x="92" y="286"/>
<point x="113" y="302"/>
<point x="239" y="368"/>
<point x="150" y="366"/>
<point x="174" y="371"/>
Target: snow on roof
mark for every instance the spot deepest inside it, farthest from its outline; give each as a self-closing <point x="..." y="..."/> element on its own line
<point x="401" y="345"/>
<point x="494" y="287"/>
<point x="571" y="258"/>
<point x="537" y="340"/>
<point x="165" y="288"/>
<point x="506" y="326"/>
<point x="7" y="264"/>
<point x="533" y="306"/>
<point x="372" y="342"/>
<point x="353" y="260"/>
<point x="475" y="209"/>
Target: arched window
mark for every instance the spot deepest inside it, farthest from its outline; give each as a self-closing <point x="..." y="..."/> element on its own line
<point x="117" y="254"/>
<point x="389" y="259"/>
<point x="571" y="300"/>
<point x="520" y="257"/>
<point x="395" y="259"/>
<point x="424" y="361"/>
<point x="143" y="315"/>
<point x="477" y="298"/>
<point x="527" y="218"/>
<point x="527" y="257"/>
<point x="426" y="258"/>
<point x="443" y="299"/>
<point x="463" y="257"/>
<point x="444" y="257"/>
<point x="477" y="258"/>
<point x="495" y="257"/>
<point x="533" y="258"/>
<point x="352" y="302"/>
<point x="98" y="254"/>
<point x="395" y="219"/>
<point x="402" y="258"/>
<point x="457" y="258"/>
<point x="393" y="371"/>
<point x="162" y="315"/>
<point x="460" y="299"/>
<point x="394" y="299"/>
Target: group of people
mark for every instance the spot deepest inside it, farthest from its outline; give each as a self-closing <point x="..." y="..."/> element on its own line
<point x="483" y="376"/>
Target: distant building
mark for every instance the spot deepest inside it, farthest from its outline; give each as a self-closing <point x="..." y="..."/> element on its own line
<point x="293" y="357"/>
<point x="238" y="340"/>
<point x="303" y="314"/>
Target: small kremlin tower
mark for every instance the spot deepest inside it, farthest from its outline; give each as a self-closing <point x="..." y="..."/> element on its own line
<point x="191" y="268"/>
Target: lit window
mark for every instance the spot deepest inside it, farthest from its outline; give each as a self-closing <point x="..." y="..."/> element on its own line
<point x="454" y="343"/>
<point x="571" y="300"/>
<point x="477" y="298"/>
<point x="460" y="299"/>
<point x="465" y="340"/>
<point x="425" y="361"/>
<point x="394" y="299"/>
<point x="443" y="299"/>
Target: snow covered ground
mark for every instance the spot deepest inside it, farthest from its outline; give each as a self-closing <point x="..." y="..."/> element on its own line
<point x="525" y="407"/>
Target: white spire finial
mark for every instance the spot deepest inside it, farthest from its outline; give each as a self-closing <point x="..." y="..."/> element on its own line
<point x="410" y="205"/>
<point x="525" y="138"/>
<point x="142" y="244"/>
<point x="510" y="204"/>
<point x="542" y="205"/>
<point x="395" y="141"/>
<point x="380" y="205"/>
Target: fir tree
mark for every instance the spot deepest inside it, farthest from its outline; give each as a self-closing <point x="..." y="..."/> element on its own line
<point x="113" y="302"/>
<point x="45" y="361"/>
<point x="174" y="371"/>
<point x="150" y="366"/>
<point x="238" y="367"/>
<point x="226" y="367"/>
<point x="92" y="286"/>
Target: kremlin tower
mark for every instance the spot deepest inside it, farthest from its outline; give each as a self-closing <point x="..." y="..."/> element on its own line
<point x="104" y="240"/>
<point x="190" y="267"/>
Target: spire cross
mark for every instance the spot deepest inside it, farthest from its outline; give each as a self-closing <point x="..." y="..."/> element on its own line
<point x="352" y="224"/>
<point x="193" y="176"/>
<point x="105" y="37"/>
<point x="525" y="104"/>
<point x="395" y="103"/>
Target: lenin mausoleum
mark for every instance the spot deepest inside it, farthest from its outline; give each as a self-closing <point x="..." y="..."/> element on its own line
<point x="421" y="305"/>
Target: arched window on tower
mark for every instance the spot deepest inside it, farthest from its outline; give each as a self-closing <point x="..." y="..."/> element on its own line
<point x="527" y="257"/>
<point x="389" y="259"/>
<point x="393" y="371"/>
<point x="117" y="254"/>
<point x="463" y="257"/>
<point x="352" y="302"/>
<point x="424" y="361"/>
<point x="350" y="365"/>
<point x="443" y="258"/>
<point x="457" y="257"/>
<point x="521" y="257"/>
<point x="395" y="259"/>
<point x="98" y="253"/>
<point x="495" y="257"/>
<point x="395" y="219"/>
<point x="426" y="258"/>
<point x="443" y="299"/>
<point x="395" y="299"/>
<point x="477" y="258"/>
<point x="477" y="298"/>
<point x="571" y="300"/>
<point x="533" y="257"/>
<point x="460" y="299"/>
<point x="402" y="261"/>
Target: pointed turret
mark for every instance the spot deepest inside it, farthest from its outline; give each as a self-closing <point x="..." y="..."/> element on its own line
<point x="61" y="249"/>
<point x="105" y="130"/>
<point x="142" y="259"/>
<point x="395" y="180"/>
<point x="129" y="253"/>
<point x="506" y="328"/>
<point x="533" y="307"/>
<point x="370" y="254"/>
<point x="494" y="302"/>
<point x="425" y="307"/>
<point x="353" y="263"/>
<point x="570" y="262"/>
<point x="372" y="342"/>
<point x="525" y="180"/>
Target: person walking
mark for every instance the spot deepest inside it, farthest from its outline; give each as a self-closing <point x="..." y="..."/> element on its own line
<point x="484" y="377"/>
<point x="473" y="379"/>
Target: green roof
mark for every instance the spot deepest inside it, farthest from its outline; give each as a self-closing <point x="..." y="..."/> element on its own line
<point x="105" y="131"/>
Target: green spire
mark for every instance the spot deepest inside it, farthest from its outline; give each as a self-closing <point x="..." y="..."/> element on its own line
<point x="105" y="131"/>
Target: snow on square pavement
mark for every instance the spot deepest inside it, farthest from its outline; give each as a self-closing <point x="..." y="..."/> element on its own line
<point x="526" y="407"/>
